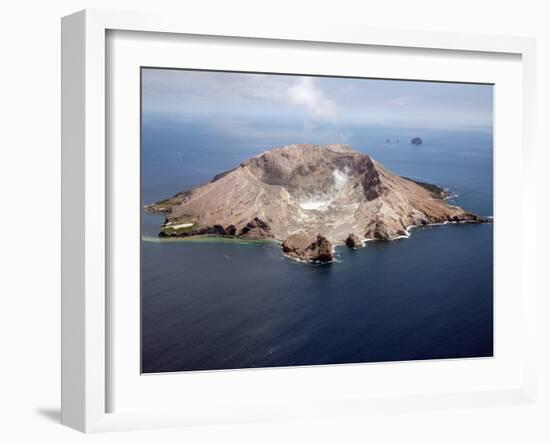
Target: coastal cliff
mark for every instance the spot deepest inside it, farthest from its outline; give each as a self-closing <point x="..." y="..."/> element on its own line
<point x="308" y="197"/>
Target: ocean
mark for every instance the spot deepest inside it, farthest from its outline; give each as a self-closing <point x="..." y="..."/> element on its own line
<point x="215" y="304"/>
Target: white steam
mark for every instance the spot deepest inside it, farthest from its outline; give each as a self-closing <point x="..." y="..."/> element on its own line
<point x="305" y="94"/>
<point x="340" y="178"/>
<point x="323" y="202"/>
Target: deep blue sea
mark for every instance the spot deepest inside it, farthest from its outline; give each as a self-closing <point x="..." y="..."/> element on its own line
<point x="220" y="305"/>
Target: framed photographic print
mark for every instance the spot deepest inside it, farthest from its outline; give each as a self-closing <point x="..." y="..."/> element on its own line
<point x="228" y="215"/>
<point x="267" y="223"/>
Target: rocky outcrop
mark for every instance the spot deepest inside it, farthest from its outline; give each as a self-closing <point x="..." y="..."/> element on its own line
<point x="353" y="241"/>
<point x="230" y="230"/>
<point x="469" y="218"/>
<point x="307" y="248"/>
<point x="256" y="229"/>
<point x="330" y="190"/>
<point x="417" y="141"/>
<point x="435" y="191"/>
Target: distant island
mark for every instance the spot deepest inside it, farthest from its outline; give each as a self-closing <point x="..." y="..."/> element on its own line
<point x="417" y="141"/>
<point x="308" y="197"/>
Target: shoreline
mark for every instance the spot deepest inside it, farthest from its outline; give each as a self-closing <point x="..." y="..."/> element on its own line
<point x="241" y="241"/>
<point x="210" y="238"/>
<point x="342" y="243"/>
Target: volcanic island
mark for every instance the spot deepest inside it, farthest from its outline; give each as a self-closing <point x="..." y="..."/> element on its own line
<point x="309" y="198"/>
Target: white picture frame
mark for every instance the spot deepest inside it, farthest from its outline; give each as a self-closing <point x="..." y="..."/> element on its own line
<point x="85" y="310"/>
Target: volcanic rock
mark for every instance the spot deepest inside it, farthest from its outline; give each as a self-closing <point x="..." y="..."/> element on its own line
<point x="256" y="229"/>
<point x="307" y="248"/>
<point x="353" y="242"/>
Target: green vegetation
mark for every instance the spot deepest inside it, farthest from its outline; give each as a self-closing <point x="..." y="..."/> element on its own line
<point x="175" y="229"/>
<point x="210" y="238"/>
<point x="161" y="205"/>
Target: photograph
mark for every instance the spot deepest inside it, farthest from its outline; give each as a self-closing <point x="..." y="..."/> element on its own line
<point x="303" y="220"/>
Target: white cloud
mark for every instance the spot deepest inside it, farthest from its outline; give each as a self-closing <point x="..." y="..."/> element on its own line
<point x="314" y="101"/>
<point x="303" y="93"/>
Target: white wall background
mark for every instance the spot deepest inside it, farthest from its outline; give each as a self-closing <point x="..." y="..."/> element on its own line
<point x="30" y="221"/>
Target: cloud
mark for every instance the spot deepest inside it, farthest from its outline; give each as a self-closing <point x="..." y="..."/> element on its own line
<point x="173" y="91"/>
<point x="314" y="102"/>
<point x="304" y="93"/>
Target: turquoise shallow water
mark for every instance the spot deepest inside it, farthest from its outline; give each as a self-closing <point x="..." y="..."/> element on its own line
<point x="220" y="305"/>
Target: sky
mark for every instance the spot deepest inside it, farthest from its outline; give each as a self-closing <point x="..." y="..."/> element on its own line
<point x="226" y="98"/>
